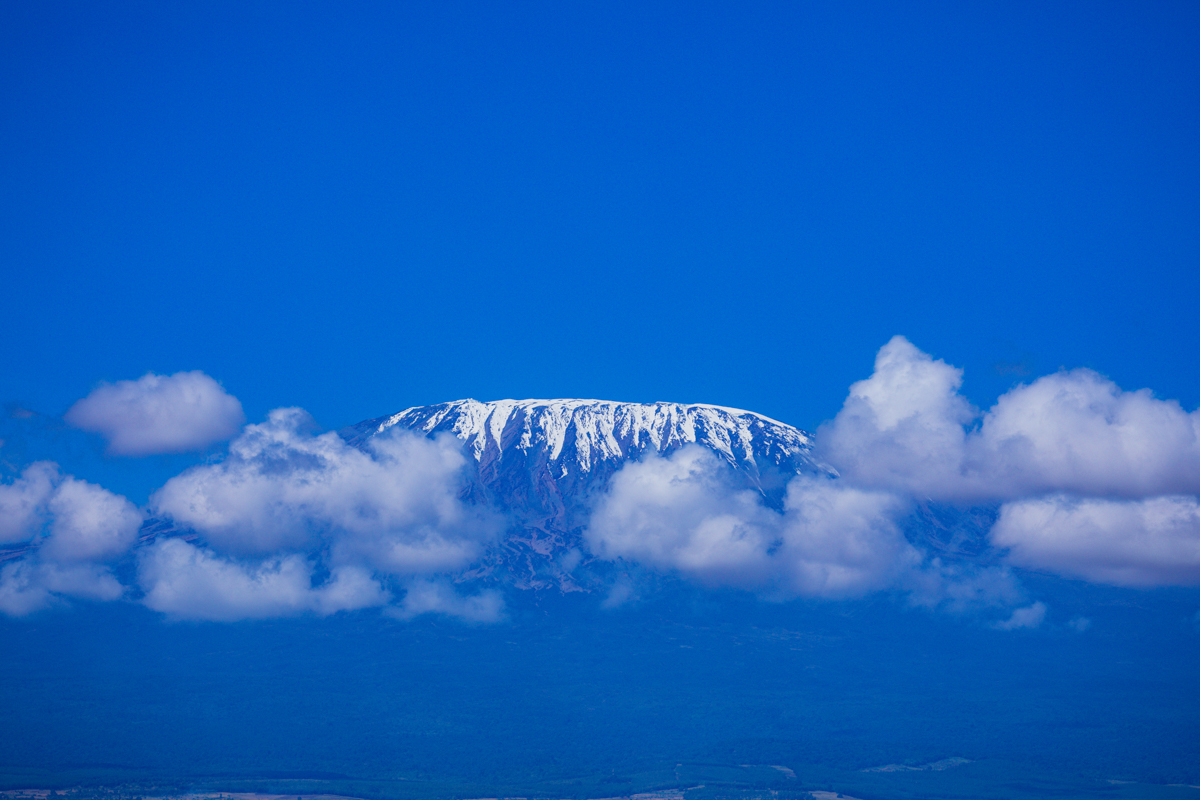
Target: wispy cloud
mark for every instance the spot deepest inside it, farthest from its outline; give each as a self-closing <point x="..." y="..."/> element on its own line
<point x="1030" y="616"/>
<point x="426" y="596"/>
<point x="30" y="584"/>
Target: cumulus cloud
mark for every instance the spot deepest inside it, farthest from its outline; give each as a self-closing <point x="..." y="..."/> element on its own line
<point x="681" y="513"/>
<point x="902" y="428"/>
<point x="1079" y="432"/>
<point x="23" y="502"/>
<point x="282" y="493"/>
<point x="1100" y="483"/>
<point x="905" y="429"/>
<point x="394" y="507"/>
<point x="425" y="596"/>
<point x="89" y="523"/>
<point x="189" y="582"/>
<point x="86" y="522"/>
<point x="1150" y="542"/>
<point x="71" y="528"/>
<point x="159" y="414"/>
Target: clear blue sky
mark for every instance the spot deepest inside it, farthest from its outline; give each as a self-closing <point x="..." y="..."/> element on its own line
<point x="358" y="207"/>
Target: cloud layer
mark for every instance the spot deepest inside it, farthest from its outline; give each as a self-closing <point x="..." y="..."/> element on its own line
<point x="159" y="414"/>
<point x="1093" y="482"/>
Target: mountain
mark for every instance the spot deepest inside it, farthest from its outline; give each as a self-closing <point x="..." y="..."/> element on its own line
<point x="543" y="461"/>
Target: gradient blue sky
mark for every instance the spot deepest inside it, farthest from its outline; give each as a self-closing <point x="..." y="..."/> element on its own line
<point x="358" y="207"/>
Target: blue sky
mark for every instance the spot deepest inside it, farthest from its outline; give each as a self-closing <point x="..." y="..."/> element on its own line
<point x="356" y="208"/>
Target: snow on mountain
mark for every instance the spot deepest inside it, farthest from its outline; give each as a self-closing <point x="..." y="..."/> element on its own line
<point x="581" y="435"/>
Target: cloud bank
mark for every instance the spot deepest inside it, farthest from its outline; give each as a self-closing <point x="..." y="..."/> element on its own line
<point x="159" y="414"/>
<point x="1093" y="482"/>
<point x="1099" y="483"/>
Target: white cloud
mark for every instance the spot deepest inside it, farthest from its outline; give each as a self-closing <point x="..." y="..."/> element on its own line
<point x="680" y="513"/>
<point x="21" y="591"/>
<point x="437" y="597"/>
<point x="86" y="521"/>
<point x="86" y="581"/>
<point x="1100" y="481"/>
<point x="904" y="429"/>
<point x="1078" y="432"/>
<point x="188" y="582"/>
<point x="29" y="585"/>
<point x="1027" y="617"/>
<point x="1150" y="542"/>
<point x="23" y="502"/>
<point x="842" y="541"/>
<point x="395" y="508"/>
<point x="70" y="525"/>
<point x="392" y="509"/>
<point x="159" y="414"/>
<point x="89" y="523"/>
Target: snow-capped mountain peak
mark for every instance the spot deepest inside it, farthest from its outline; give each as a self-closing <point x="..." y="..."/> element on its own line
<point x="582" y="434"/>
